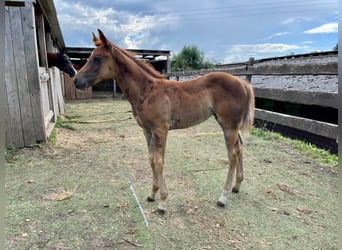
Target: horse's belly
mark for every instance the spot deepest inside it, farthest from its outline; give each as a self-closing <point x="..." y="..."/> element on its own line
<point x="188" y="118"/>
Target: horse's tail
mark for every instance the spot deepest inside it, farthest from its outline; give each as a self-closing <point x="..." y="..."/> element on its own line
<point x="248" y="112"/>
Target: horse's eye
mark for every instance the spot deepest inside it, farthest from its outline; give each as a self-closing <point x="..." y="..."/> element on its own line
<point x="97" y="60"/>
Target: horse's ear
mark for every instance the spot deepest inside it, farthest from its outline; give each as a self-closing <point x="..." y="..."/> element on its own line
<point x="102" y="38"/>
<point x="96" y="40"/>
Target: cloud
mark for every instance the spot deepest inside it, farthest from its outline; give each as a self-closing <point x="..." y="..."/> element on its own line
<point x="139" y="30"/>
<point x="211" y="25"/>
<point x="324" y="28"/>
<point x="131" y="29"/>
<point x="307" y="42"/>
<point x="276" y="34"/>
<point x="292" y="20"/>
<point x="242" y="52"/>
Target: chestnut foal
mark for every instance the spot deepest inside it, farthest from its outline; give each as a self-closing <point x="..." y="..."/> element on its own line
<point x="160" y="105"/>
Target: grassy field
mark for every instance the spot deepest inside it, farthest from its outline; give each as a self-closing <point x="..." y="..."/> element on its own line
<point x="74" y="192"/>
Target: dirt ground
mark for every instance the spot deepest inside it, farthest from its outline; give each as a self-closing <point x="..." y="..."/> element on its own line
<point x="74" y="193"/>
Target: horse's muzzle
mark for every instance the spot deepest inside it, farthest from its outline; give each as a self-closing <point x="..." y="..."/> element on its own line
<point x="78" y="84"/>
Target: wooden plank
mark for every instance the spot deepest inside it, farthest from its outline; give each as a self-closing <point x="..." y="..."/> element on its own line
<point x="14" y="133"/>
<point x="67" y="92"/>
<point x="31" y="51"/>
<point x="8" y="135"/>
<point x="70" y="91"/>
<point x="84" y="94"/>
<point x="12" y="3"/>
<point x="44" y="92"/>
<point x="41" y="39"/>
<point x="22" y="80"/>
<point x="60" y="99"/>
<point x="330" y="68"/>
<point x="81" y="94"/>
<point x="324" y="99"/>
<point x="49" y="42"/>
<point x="48" y="117"/>
<point x="53" y="95"/>
<point x="316" y="127"/>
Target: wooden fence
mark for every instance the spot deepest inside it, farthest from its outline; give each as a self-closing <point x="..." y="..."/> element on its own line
<point x="71" y="93"/>
<point x="325" y="99"/>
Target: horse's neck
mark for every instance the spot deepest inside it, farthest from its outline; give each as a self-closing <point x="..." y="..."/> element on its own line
<point x="130" y="77"/>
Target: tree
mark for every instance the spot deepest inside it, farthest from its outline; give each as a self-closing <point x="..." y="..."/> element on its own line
<point x="336" y="47"/>
<point x="189" y="58"/>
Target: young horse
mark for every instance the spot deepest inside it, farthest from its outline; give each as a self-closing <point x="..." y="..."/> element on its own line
<point x="159" y="105"/>
<point x="62" y="62"/>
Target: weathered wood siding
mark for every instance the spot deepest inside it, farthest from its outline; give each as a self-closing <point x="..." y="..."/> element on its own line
<point x="71" y="93"/>
<point x="24" y="118"/>
<point x="34" y="92"/>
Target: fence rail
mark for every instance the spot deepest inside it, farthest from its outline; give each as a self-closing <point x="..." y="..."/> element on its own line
<point x="325" y="99"/>
<point x="329" y="68"/>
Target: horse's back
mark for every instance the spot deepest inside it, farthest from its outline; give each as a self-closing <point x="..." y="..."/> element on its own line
<point x="194" y="101"/>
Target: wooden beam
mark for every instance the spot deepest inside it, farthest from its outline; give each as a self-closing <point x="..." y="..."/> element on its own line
<point x="15" y="3"/>
<point x="14" y="131"/>
<point x="31" y="55"/>
<point x="19" y="26"/>
<point x="41" y="39"/>
<point x="330" y="68"/>
<point x="325" y="99"/>
<point x="316" y="127"/>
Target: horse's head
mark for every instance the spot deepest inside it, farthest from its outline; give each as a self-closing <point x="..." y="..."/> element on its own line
<point x="99" y="66"/>
<point x="64" y="64"/>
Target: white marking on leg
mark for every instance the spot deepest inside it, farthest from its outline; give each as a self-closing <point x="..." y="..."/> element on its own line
<point x="224" y="197"/>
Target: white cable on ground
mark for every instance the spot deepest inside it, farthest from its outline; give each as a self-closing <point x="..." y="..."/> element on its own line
<point x="137" y="200"/>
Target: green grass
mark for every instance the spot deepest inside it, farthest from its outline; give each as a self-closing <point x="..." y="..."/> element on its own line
<point x="66" y="122"/>
<point x="321" y="155"/>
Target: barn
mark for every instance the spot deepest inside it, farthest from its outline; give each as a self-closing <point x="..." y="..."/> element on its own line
<point x="34" y="92"/>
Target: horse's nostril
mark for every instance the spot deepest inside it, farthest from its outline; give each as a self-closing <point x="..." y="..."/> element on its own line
<point x="75" y="81"/>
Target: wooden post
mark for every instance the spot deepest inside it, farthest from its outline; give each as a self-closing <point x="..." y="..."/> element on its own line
<point x="41" y="39"/>
<point x="250" y="63"/>
<point x="114" y="88"/>
<point x="168" y="65"/>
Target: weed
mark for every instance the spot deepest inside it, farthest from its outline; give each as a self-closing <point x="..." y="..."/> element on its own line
<point x="53" y="137"/>
<point x="64" y="123"/>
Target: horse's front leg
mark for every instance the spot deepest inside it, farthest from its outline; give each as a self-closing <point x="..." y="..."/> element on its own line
<point x="158" y="143"/>
<point x="155" y="184"/>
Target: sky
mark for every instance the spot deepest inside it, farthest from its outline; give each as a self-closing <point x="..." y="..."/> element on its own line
<point x="226" y="31"/>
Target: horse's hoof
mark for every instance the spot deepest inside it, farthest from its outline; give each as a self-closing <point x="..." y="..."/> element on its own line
<point x="149" y="199"/>
<point x="235" y="190"/>
<point x="220" y="204"/>
<point x="161" y="211"/>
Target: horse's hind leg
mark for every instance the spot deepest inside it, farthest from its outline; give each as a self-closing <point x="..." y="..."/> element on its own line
<point x="235" y="158"/>
<point x="239" y="169"/>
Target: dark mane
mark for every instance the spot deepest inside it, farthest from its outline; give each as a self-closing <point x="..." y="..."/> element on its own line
<point x="146" y="66"/>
